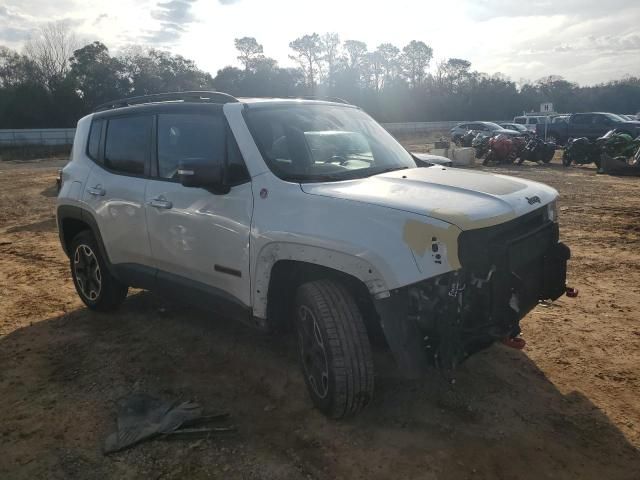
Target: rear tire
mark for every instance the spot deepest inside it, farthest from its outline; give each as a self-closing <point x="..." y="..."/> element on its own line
<point x="334" y="349"/>
<point x="96" y="287"/>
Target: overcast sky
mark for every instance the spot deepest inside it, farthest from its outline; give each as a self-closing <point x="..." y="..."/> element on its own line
<point x="586" y="41"/>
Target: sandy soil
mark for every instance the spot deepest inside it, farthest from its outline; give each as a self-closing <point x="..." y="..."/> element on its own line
<point x="568" y="406"/>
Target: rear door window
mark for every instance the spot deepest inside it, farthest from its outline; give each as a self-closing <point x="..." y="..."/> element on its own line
<point x="128" y="144"/>
<point x="520" y="121"/>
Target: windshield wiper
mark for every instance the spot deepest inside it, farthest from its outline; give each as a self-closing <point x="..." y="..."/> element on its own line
<point x="342" y="176"/>
<point x="313" y="178"/>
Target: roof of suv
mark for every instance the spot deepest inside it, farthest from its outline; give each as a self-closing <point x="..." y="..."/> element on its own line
<point x="206" y="97"/>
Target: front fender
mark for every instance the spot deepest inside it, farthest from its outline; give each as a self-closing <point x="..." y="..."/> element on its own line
<point x="353" y="265"/>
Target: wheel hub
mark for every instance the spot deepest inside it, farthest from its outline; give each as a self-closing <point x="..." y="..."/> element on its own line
<point x="87" y="272"/>
<point x="313" y="352"/>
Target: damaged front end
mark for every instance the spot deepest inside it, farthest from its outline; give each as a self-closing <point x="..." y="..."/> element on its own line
<point x="505" y="271"/>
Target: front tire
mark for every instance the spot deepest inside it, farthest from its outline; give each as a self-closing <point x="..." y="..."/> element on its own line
<point x="334" y="349"/>
<point x="96" y="287"/>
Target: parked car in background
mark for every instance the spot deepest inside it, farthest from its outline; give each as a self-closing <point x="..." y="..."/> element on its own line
<point x="489" y="128"/>
<point x="590" y="125"/>
<point x="530" y="122"/>
<point x="517" y="127"/>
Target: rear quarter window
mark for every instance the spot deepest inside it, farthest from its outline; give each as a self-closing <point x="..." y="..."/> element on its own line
<point x="93" y="145"/>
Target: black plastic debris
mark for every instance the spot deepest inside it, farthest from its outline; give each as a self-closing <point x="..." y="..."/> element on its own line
<point x="143" y="417"/>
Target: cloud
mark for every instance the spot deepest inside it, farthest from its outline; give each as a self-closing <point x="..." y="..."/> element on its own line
<point x="228" y="2"/>
<point x="174" y="11"/>
<point x="487" y="9"/>
<point x="174" y="17"/>
<point x="17" y="27"/>
<point x="100" y="18"/>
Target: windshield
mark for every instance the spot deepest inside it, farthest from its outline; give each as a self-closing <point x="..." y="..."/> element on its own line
<point x="492" y="126"/>
<point x="321" y="143"/>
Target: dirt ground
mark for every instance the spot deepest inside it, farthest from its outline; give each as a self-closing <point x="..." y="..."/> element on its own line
<point x="567" y="407"/>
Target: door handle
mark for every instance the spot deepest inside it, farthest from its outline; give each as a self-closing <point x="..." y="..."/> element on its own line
<point x="160" y="203"/>
<point x="97" y="190"/>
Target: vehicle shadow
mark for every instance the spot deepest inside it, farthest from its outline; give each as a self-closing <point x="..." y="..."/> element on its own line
<point x="503" y="418"/>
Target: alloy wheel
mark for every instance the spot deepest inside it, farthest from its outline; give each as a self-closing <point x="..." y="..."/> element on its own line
<point x="87" y="272"/>
<point x="313" y="352"/>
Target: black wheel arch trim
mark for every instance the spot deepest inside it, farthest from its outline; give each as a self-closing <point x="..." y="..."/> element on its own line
<point x="65" y="212"/>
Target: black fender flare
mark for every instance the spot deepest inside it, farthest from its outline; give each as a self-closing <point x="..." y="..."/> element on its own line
<point x="65" y="212"/>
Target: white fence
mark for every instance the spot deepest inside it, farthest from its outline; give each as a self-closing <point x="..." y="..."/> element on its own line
<point x="427" y="127"/>
<point x="64" y="136"/>
<point x="38" y="136"/>
<point x="419" y="127"/>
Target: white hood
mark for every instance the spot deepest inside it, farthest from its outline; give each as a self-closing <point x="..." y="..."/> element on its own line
<point x="460" y="197"/>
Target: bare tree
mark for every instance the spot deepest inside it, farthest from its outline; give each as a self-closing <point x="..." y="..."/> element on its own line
<point x="251" y="52"/>
<point x="50" y="50"/>
<point x="374" y="70"/>
<point x="308" y="53"/>
<point x="330" y="44"/>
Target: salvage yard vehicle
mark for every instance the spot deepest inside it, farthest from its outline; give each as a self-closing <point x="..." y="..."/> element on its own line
<point x="488" y="128"/>
<point x="305" y="214"/>
<point x="502" y="150"/>
<point x="518" y="128"/>
<point x="581" y="151"/>
<point x="589" y="125"/>
<point x="531" y="122"/>
<point x="480" y="144"/>
<point x="537" y="150"/>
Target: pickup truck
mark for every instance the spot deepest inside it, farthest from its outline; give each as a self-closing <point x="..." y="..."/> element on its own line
<point x="590" y="125"/>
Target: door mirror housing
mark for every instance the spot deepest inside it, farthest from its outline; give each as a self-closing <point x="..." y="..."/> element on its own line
<point x="203" y="173"/>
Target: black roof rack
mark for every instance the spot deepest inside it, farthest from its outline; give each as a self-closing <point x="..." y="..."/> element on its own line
<point x="324" y="98"/>
<point x="202" y="97"/>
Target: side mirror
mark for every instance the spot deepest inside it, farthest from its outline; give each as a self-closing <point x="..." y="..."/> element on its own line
<point x="203" y="173"/>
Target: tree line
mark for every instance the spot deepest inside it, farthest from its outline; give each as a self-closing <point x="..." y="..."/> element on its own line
<point x="54" y="81"/>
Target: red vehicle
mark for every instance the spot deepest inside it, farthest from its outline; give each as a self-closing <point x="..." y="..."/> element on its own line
<point x="502" y="149"/>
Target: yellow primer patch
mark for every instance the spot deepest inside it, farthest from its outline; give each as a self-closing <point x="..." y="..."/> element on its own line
<point x="463" y="221"/>
<point x="417" y="235"/>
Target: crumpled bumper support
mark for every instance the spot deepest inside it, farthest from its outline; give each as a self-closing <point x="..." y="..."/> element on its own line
<point x="443" y="320"/>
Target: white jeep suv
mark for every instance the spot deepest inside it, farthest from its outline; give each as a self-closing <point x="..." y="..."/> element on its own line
<point x="305" y="214"/>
